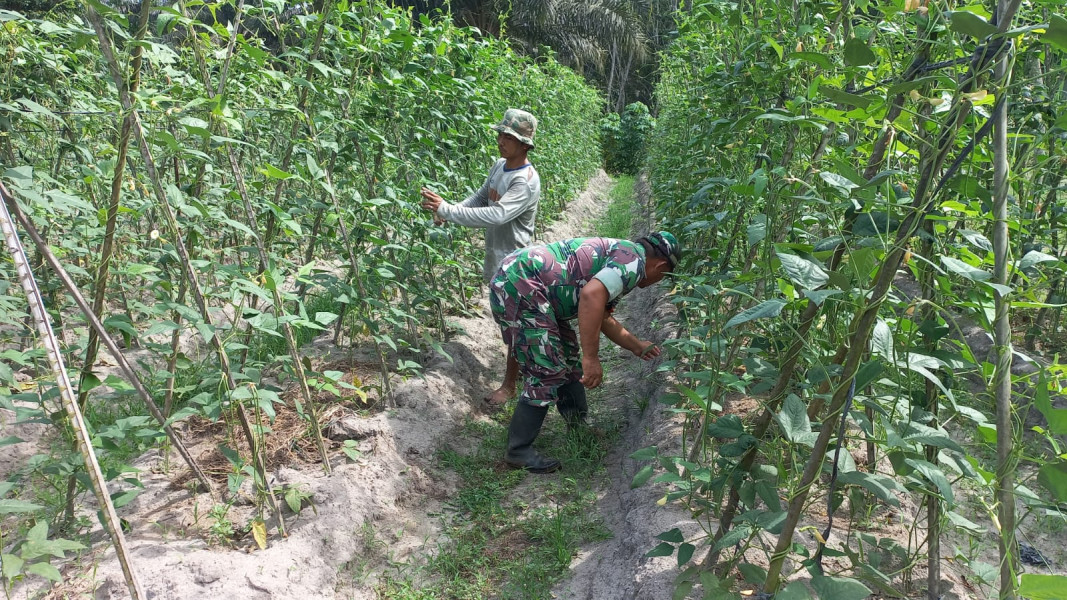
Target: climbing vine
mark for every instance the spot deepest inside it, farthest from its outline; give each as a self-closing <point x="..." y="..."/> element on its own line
<point x="837" y="173"/>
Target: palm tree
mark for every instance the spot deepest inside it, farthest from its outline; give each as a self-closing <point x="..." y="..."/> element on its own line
<point x="605" y="40"/>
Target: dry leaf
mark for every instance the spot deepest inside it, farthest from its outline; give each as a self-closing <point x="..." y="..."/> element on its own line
<point x="259" y="532"/>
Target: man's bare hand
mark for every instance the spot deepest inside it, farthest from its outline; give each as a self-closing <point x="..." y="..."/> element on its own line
<point x="649" y="350"/>
<point x="592" y="372"/>
<point x="430" y="200"/>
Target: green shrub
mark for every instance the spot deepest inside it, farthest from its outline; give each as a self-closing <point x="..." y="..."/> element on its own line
<point x="624" y="139"/>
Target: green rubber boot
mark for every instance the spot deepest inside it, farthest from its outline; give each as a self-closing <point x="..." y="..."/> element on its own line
<point x="523" y="430"/>
<point x="572" y="404"/>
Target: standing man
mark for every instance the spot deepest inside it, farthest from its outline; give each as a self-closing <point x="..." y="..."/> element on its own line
<point x="505" y="206"/>
<point x="536" y="294"/>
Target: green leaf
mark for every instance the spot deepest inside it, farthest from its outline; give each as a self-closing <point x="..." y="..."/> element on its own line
<point x="726" y="427"/>
<point x="971" y="24"/>
<point x="9" y="440"/>
<point x="1053" y="475"/>
<point x="642" y="476"/>
<point x="12" y="565"/>
<point x="843" y="97"/>
<point x="793" y="420"/>
<point x="763" y="310"/>
<point x="820" y="296"/>
<point x="1034" y="257"/>
<point x="802" y="272"/>
<point x="1056" y="34"/>
<point x="685" y="552"/>
<point x="965" y="523"/>
<point x="882" y="342"/>
<point x="1055" y="417"/>
<point x="45" y="570"/>
<point x="839" y="588"/>
<point x="754" y="574"/>
<point x="879" y="485"/>
<point x="648" y="453"/>
<point x="734" y="536"/>
<point x="1043" y="587"/>
<point x="963" y="269"/>
<point x="674" y="535"/>
<point x="9" y="506"/>
<point x="794" y="591"/>
<point x="663" y="549"/>
<point x="857" y="54"/>
<point x="843" y="185"/>
<point x="274" y="173"/>
<point x="293" y="497"/>
<point x="813" y="57"/>
<point x="934" y="474"/>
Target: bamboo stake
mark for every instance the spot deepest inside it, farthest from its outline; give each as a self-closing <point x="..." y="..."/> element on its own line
<point x="864" y="320"/>
<point x="1007" y="461"/>
<point x="183" y="253"/>
<point x="100" y="281"/>
<point x="264" y="261"/>
<point x="109" y="342"/>
<point x="70" y="404"/>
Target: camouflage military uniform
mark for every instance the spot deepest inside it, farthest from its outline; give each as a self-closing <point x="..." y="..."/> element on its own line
<point x="535" y="294"/>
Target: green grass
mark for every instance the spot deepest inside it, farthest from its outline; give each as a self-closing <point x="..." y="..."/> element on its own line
<point x="510" y="534"/>
<point x="618" y="220"/>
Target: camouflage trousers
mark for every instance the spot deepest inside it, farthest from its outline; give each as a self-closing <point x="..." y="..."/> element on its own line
<point x="547" y="350"/>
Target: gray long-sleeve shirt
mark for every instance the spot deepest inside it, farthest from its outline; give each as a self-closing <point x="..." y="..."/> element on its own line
<point x="506" y="206"/>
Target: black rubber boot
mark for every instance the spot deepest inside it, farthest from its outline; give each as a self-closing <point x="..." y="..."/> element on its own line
<point x="523" y="430"/>
<point x="572" y="404"/>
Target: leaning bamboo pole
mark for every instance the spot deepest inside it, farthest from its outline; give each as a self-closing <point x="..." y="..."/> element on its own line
<point x="264" y="259"/>
<point x="70" y="402"/>
<point x="183" y="253"/>
<point x="98" y="327"/>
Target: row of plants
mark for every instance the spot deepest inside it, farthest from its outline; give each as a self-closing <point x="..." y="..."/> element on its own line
<point x="862" y="186"/>
<point x="220" y="203"/>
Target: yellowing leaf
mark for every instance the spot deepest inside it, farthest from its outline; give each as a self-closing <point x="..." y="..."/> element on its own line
<point x="662" y="501"/>
<point x="915" y="95"/>
<point x="259" y="532"/>
<point x="910" y="5"/>
<point x="976" y="96"/>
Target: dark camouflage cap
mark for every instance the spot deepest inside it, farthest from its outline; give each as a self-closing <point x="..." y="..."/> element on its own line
<point x="519" y="124"/>
<point x="666" y="245"/>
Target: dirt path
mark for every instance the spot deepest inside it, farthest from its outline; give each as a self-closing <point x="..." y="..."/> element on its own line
<point x="617" y="568"/>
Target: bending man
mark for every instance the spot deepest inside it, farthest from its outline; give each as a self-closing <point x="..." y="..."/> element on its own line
<point x="537" y="293"/>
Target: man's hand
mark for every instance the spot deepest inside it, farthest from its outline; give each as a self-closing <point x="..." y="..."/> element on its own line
<point x="647" y="351"/>
<point x="430" y="200"/>
<point x="592" y="372"/>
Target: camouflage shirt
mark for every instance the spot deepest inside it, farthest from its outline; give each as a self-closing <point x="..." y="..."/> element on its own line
<point x="563" y="268"/>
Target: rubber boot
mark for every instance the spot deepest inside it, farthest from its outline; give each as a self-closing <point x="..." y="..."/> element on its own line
<point x="523" y="430"/>
<point x="572" y="404"/>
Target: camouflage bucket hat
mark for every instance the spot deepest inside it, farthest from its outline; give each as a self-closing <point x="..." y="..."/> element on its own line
<point x="666" y="245"/>
<point x="519" y="124"/>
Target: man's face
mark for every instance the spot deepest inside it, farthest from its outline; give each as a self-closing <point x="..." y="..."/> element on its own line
<point x="655" y="269"/>
<point x="509" y="147"/>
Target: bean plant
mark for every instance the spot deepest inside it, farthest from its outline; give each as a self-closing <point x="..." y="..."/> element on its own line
<point x="246" y="175"/>
<point x="861" y="186"/>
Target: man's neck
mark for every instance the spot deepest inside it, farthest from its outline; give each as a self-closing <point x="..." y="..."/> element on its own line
<point x="515" y="162"/>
